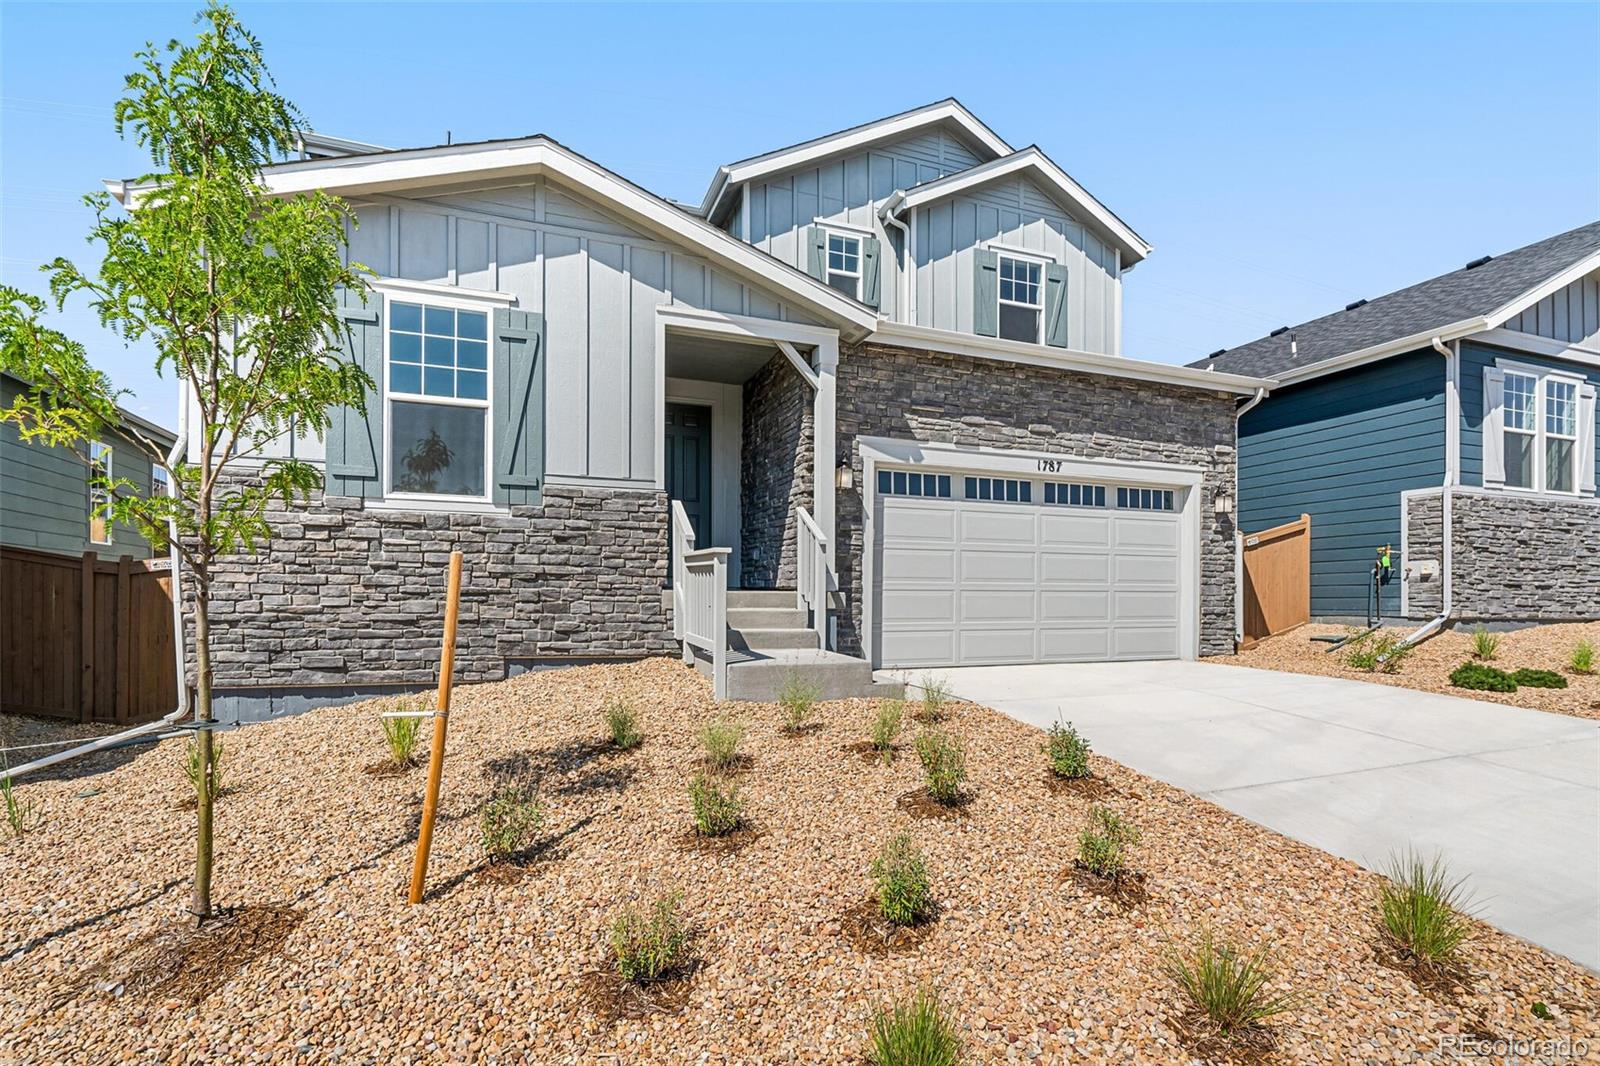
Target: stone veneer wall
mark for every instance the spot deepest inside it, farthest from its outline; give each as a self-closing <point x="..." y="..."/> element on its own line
<point x="930" y="396"/>
<point x="1523" y="558"/>
<point x="1424" y="532"/>
<point x="345" y="596"/>
<point x="774" y="472"/>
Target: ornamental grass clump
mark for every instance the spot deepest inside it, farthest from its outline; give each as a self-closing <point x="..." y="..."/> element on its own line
<point x="886" y="724"/>
<point x="716" y="805"/>
<point x="913" y="1033"/>
<point x="1103" y="844"/>
<point x="400" y="734"/>
<point x="1581" y="659"/>
<point x="648" y="942"/>
<point x="798" y="698"/>
<point x="22" y="815"/>
<point x="1482" y="678"/>
<point x="1228" y="983"/>
<point x="721" y="742"/>
<point x="623" y="725"/>
<point x="944" y="764"/>
<point x="1423" y="912"/>
<point x="1528" y="678"/>
<point x="901" y="882"/>
<point x="935" y="697"/>
<point x="1484" y="644"/>
<point x="511" y="816"/>
<point x="191" y="767"/>
<point x="1067" y="751"/>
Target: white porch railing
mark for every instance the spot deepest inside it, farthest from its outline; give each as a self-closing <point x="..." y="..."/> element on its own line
<point x="811" y="572"/>
<point x="700" y="599"/>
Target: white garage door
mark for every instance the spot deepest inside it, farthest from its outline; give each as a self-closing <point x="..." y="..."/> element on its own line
<point x="982" y="569"/>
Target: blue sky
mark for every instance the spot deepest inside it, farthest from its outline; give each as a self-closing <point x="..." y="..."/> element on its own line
<point x="1283" y="159"/>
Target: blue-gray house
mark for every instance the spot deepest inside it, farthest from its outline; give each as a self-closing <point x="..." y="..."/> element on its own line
<point x="1453" y="421"/>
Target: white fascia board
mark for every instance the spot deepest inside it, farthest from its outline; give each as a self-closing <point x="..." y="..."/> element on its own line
<point x="1501" y="337"/>
<point x="1455" y="331"/>
<point x="1554" y="284"/>
<point x="902" y="334"/>
<point x="1133" y="246"/>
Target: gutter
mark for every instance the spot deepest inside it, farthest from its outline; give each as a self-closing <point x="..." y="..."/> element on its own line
<point x="1455" y="331"/>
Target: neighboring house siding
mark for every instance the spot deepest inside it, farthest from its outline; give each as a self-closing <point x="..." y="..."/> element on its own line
<point x="44" y="493"/>
<point x="1016" y="212"/>
<point x="1571" y="315"/>
<point x="1474" y="358"/>
<point x="1342" y="449"/>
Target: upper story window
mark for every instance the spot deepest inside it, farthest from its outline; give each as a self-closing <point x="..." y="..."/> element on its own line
<point x="1539" y="430"/>
<point x="99" y="495"/>
<point x="844" y="264"/>
<point x="438" y="400"/>
<point x="1021" y="302"/>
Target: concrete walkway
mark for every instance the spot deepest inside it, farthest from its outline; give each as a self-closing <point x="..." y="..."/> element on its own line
<point x="1511" y="797"/>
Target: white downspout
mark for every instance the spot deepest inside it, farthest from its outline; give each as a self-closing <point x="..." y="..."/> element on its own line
<point x="1238" y="535"/>
<point x="902" y="296"/>
<point x="1452" y="367"/>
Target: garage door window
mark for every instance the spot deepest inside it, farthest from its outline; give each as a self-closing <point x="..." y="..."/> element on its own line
<point x="999" y="489"/>
<point x="1074" y="495"/>
<point x="1144" y="499"/>
<point x="909" y="483"/>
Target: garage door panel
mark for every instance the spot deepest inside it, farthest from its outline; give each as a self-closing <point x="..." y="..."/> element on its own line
<point x="1139" y="531"/>
<point x="918" y="606"/>
<point x="1074" y="567"/>
<point x="1008" y="524"/>
<point x="919" y="647"/>
<point x="1075" y="645"/>
<point x="1075" y="530"/>
<point x="1157" y="642"/>
<point x="1135" y="605"/>
<point x="1060" y="606"/>
<point x="980" y="566"/>
<point x="997" y="646"/>
<point x="996" y="605"/>
<point x="902" y="564"/>
<point x="1145" y="569"/>
<point x="912" y="521"/>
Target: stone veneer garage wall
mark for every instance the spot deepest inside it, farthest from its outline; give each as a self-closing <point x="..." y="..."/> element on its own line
<point x="347" y="597"/>
<point x="1514" y="558"/>
<point x="919" y="395"/>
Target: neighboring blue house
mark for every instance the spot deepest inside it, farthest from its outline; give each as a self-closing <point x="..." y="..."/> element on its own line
<point x="1453" y="421"/>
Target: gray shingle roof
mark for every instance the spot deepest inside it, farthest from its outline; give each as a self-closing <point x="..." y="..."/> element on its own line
<point x="1432" y="304"/>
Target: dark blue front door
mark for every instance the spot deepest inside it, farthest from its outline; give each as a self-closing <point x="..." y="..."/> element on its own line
<point x="689" y="466"/>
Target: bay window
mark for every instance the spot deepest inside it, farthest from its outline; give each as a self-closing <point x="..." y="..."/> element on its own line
<point x="438" y="401"/>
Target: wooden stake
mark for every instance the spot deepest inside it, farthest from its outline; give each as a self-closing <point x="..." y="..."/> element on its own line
<point x="447" y="665"/>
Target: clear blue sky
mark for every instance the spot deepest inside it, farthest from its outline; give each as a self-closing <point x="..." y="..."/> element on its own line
<point x="1284" y="160"/>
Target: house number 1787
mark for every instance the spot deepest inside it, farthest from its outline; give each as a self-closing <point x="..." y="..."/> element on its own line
<point x="1050" y="466"/>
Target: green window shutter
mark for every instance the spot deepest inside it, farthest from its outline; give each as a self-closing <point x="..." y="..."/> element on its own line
<point x="1055" y="305"/>
<point x="817" y="256"/>
<point x="986" y="293"/>
<point x="355" y="441"/>
<point x="518" y="407"/>
<point x="871" y="272"/>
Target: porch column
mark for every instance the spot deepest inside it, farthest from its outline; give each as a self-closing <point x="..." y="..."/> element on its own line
<point x="824" y="409"/>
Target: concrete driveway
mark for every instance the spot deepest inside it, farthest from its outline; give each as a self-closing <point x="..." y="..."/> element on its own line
<point x="1511" y="797"/>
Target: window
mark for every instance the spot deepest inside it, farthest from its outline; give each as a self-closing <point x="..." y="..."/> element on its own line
<point x="160" y="481"/>
<point x="1144" y="499"/>
<point x="909" y="483"/>
<point x="1075" y="495"/>
<point x="438" y="400"/>
<point x="1560" y="434"/>
<point x="1019" y="299"/>
<point x="1539" y="430"/>
<point x="99" y="494"/>
<point x="999" y="489"/>
<point x="844" y="264"/>
<point x="1520" y="429"/>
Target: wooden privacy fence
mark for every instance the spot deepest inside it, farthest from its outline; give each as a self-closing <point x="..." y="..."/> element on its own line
<point x="1276" y="580"/>
<point x="85" y="638"/>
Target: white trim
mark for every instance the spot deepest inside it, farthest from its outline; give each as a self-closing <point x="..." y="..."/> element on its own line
<point x="412" y="504"/>
<point x="1042" y="258"/>
<point x="1541" y="375"/>
<point x="1455" y="331"/>
<point x="1555" y="283"/>
<point x="727" y="448"/>
<point x="860" y="254"/>
<point x="1033" y="160"/>
<point x="852" y="229"/>
<point x="1533" y="344"/>
<point x="436" y="291"/>
<point x="955" y="458"/>
<point x="106" y="455"/>
<point x="904" y="334"/>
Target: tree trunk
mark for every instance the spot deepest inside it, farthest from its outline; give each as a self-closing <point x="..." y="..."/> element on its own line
<point x="200" y="905"/>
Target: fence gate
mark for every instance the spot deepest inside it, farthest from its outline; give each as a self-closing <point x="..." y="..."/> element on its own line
<point x="85" y="638"/>
<point x="1276" y="580"/>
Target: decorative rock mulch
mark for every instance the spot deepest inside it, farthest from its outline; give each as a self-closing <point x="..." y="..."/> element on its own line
<point x="1034" y="970"/>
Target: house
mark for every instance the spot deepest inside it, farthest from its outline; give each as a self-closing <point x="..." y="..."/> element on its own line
<point x="46" y="500"/>
<point x="1453" y="422"/>
<point x="881" y="370"/>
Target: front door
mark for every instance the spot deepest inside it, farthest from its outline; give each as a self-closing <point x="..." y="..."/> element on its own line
<point x="689" y="465"/>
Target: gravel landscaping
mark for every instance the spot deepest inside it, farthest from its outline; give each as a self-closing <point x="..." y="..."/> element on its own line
<point x="325" y="962"/>
<point x="1429" y="664"/>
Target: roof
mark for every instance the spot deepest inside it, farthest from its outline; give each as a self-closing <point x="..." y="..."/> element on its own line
<point x="1033" y="162"/>
<point x="144" y="425"/>
<point x="1482" y="295"/>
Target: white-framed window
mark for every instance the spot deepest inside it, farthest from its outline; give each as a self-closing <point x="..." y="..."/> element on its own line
<point x="1560" y="435"/>
<point x="1074" y="494"/>
<point x="998" y="489"/>
<point x="843" y="271"/>
<point x="1538" y="435"/>
<point x="1021" y="299"/>
<point x="1132" y="499"/>
<point x="160" y="481"/>
<point x="437" y="430"/>
<point x="100" y="527"/>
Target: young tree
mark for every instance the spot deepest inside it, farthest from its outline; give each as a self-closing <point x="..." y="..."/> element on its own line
<point x="237" y="291"/>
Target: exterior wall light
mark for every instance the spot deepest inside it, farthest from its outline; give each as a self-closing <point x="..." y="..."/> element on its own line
<point x="844" y="478"/>
<point x="1224" y="505"/>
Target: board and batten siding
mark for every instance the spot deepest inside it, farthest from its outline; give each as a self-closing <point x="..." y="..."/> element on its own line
<point x="1571" y="314"/>
<point x="1342" y="449"/>
<point x="44" y="493"/>
<point x="1474" y="358"/>
<point x="1014" y="211"/>
<point x="598" y="283"/>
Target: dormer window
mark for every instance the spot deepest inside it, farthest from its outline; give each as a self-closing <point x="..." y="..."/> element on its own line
<point x="844" y="264"/>
<point x="1021" y="299"/>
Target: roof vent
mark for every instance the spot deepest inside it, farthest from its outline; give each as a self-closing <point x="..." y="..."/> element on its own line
<point x="1479" y="262"/>
<point x="1279" y="330"/>
<point x="1219" y="351"/>
<point x="1356" y="304"/>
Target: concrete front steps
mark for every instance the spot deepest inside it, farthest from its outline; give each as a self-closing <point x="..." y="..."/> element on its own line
<point x="768" y="642"/>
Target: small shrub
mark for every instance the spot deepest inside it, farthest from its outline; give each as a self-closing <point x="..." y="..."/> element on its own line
<point x="1483" y="678"/>
<point x="1422" y="910"/>
<point x="886" y="724"/>
<point x="1581" y="660"/>
<point x="935" y="696"/>
<point x="721" y="741"/>
<point x="1381" y="651"/>
<point x="718" y="809"/>
<point x="902" y="881"/>
<point x="1103" y="844"/>
<point x="623" y="725"/>
<point x="1542" y="1011"/>
<point x="914" y="1033"/>
<point x="1067" y="751"/>
<point x="191" y="767"/>
<point x="506" y="822"/>
<point x="22" y="815"/>
<point x="400" y="734"/>
<point x="944" y="764"/>
<point x="1526" y="678"/>
<point x="1484" y="644"/>
<point x="1228" y="983"/>
<point x="798" y="698"/>
<point x="648" y="942"/>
